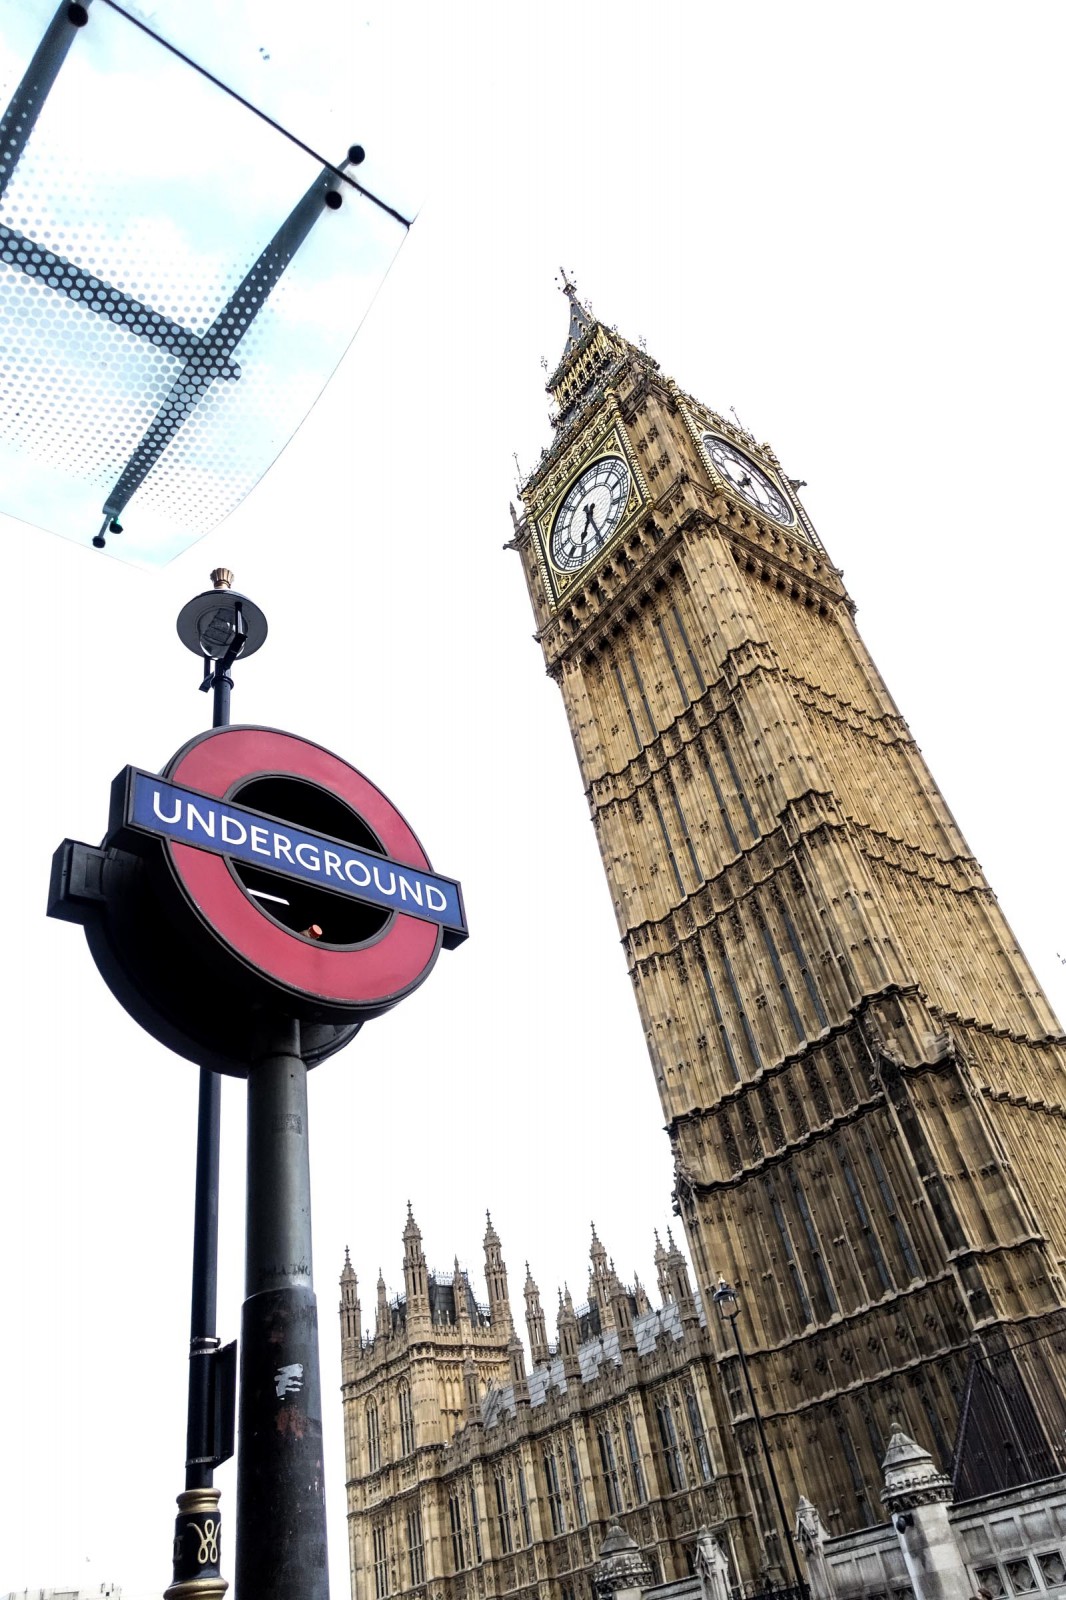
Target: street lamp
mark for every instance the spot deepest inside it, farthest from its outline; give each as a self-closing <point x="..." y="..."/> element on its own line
<point x="727" y="1304"/>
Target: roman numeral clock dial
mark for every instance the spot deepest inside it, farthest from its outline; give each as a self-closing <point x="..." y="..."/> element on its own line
<point x="590" y="514"/>
<point x="747" y="480"/>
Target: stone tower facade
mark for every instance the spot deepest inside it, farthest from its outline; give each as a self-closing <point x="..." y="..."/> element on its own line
<point x="863" y="1083"/>
<point x="469" y="1475"/>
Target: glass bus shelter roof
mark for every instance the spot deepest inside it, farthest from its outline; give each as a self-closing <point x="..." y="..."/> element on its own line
<point x="185" y="254"/>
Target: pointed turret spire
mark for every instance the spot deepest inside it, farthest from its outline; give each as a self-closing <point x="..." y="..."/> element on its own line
<point x="678" y="1279"/>
<point x="569" y="1332"/>
<point x="640" y="1294"/>
<point x="496" y="1278"/>
<point x="462" y="1310"/>
<point x="592" y="359"/>
<point x="350" y="1309"/>
<point x="415" y="1277"/>
<point x="383" y="1321"/>
<point x="661" y="1274"/>
<point x="581" y="319"/>
<point x="538" y="1333"/>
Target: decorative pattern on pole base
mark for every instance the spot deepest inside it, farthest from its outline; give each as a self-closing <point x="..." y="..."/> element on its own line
<point x="197" y="1548"/>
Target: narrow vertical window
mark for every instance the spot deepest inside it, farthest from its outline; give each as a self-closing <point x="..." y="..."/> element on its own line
<point x="475" y="1524"/>
<point x="686" y="700"/>
<point x="635" y="1467"/>
<point x="555" y="1499"/>
<point x="808" y="976"/>
<point x="890" y="1206"/>
<point x="741" y="796"/>
<point x="381" y="1562"/>
<point x="407" y="1421"/>
<point x="749" y="1036"/>
<point x="699" y="1437"/>
<point x="652" y="729"/>
<point x="575" y="1482"/>
<point x="610" y="1470"/>
<point x="790" y="1255"/>
<point x="723" y="1032"/>
<point x="415" y="1547"/>
<point x="523" y="1501"/>
<point x="807" y="1220"/>
<point x="637" y="740"/>
<point x="693" y="663"/>
<point x="781" y="980"/>
<point x="683" y="825"/>
<point x="675" y="1471"/>
<point x="455" y="1518"/>
<point x="503" y="1513"/>
<point x="651" y="792"/>
<point x="723" y="810"/>
<point x="373" y="1436"/>
<point x="863" y="1215"/>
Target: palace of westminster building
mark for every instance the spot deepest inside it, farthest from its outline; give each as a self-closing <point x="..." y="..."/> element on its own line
<point x="863" y="1084"/>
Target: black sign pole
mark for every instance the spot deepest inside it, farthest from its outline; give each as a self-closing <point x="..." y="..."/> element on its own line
<point x="221" y="635"/>
<point x="281" y="1504"/>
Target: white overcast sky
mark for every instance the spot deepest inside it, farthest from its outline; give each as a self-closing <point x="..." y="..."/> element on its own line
<point x="842" y="220"/>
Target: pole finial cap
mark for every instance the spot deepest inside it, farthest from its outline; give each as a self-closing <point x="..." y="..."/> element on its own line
<point x="222" y="578"/>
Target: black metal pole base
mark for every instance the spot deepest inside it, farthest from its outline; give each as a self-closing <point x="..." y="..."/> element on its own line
<point x="281" y="1502"/>
<point x="197" y="1548"/>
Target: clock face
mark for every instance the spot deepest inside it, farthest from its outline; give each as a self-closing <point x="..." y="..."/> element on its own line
<point x="746" y="480"/>
<point x="589" y="515"/>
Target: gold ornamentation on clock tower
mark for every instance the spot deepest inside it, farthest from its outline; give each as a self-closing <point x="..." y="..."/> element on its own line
<point x="864" y="1086"/>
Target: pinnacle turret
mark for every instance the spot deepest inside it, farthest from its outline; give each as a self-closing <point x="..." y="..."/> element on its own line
<point x="535" y="1326"/>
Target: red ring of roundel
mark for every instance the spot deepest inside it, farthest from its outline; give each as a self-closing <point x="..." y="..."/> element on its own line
<point x="372" y="976"/>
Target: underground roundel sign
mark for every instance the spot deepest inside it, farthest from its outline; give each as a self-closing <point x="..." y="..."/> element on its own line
<point x="297" y="863"/>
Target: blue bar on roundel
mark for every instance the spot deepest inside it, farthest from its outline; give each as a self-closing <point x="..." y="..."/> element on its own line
<point x="168" y="811"/>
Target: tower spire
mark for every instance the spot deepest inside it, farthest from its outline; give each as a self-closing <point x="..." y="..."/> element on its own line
<point x="538" y="1334"/>
<point x="581" y="319"/>
<point x="496" y="1277"/>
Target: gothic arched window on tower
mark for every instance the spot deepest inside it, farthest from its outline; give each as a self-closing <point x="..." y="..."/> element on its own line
<point x="635" y="1468"/>
<point x="575" y="1479"/>
<point x="373" y="1436"/>
<point x="523" y="1501"/>
<point x="503" y="1512"/>
<point x="699" y="1437"/>
<point x="455" y="1518"/>
<point x="610" y="1470"/>
<point x="407" y="1421"/>
<point x="555" y="1499"/>
<point x="675" y="1470"/>
<point x="381" y="1561"/>
<point x="415" y="1546"/>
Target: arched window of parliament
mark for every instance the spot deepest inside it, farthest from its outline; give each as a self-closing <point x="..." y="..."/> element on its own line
<point x="415" y="1546"/>
<point x="610" y="1470"/>
<point x="575" y="1480"/>
<point x="675" y="1471"/>
<point x="503" y="1513"/>
<point x="373" y="1436"/>
<point x="555" y="1499"/>
<point x="407" y="1421"/>
<point x="381" y="1562"/>
<point x="699" y="1437"/>
<point x="639" y="1491"/>
<point x="455" y="1519"/>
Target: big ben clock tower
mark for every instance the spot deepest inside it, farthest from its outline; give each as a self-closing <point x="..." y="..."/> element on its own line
<point x="864" y="1086"/>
